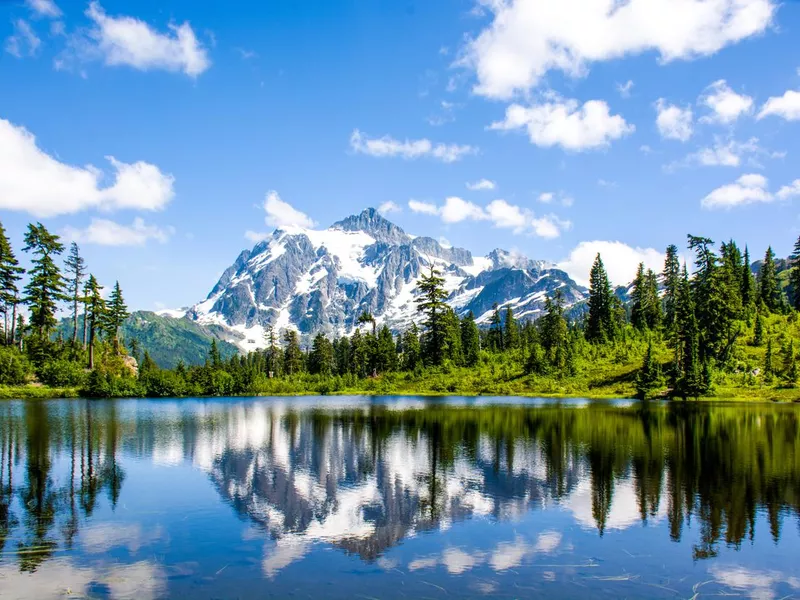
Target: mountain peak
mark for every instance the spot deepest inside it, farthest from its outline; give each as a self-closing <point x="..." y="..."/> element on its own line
<point x="375" y="224"/>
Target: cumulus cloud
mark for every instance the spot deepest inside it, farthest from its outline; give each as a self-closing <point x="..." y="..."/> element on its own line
<point x="256" y="236"/>
<point x="726" y="105"/>
<point x="527" y="38"/>
<point x="789" y="191"/>
<point x="546" y="197"/>
<point x="388" y="146"/>
<point x="565" y="123"/>
<point x="23" y="42"/>
<point x="747" y="189"/>
<point x="389" y="207"/>
<point x="786" y="106"/>
<point x="481" y="185"/>
<point x="104" y="232"/>
<point x="499" y="212"/>
<point x="35" y="182"/>
<point x="673" y="122"/>
<point x="561" y="197"/>
<point x="130" y="42"/>
<point x="620" y="259"/>
<point x="283" y="214"/>
<point x="44" y="8"/>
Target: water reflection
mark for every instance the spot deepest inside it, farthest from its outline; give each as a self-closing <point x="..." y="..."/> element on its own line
<point x="362" y="477"/>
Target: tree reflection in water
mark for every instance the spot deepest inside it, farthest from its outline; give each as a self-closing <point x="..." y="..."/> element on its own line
<point x="363" y="476"/>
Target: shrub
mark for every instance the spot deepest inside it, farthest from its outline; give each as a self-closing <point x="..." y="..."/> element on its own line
<point x="15" y="368"/>
<point x="62" y="373"/>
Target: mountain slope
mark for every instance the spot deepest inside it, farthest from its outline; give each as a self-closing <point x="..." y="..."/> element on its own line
<point x="314" y="281"/>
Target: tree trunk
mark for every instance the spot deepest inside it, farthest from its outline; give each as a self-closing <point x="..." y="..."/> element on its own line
<point x="75" y="320"/>
<point x="85" y="322"/>
<point x="91" y="346"/>
<point x="14" y="325"/>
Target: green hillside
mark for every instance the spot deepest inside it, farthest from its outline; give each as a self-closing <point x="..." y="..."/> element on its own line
<point x="167" y="340"/>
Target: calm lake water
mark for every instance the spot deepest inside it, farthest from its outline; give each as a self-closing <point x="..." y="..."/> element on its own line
<point x="398" y="498"/>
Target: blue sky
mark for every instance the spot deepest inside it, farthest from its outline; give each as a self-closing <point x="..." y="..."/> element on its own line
<point x="619" y="130"/>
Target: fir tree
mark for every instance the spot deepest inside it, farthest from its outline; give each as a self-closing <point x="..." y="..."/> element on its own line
<point x="116" y="313"/>
<point x="671" y="278"/>
<point x="600" y="321"/>
<point x="768" y="367"/>
<point x="366" y="317"/>
<point x="452" y="342"/>
<point x="794" y="275"/>
<point x="748" y="285"/>
<point x="412" y="352"/>
<point x="639" y="300"/>
<point x="76" y="270"/>
<point x="554" y="330"/>
<point x="470" y="340"/>
<point x="649" y="378"/>
<point x="386" y="353"/>
<point x="510" y="331"/>
<point x="768" y="282"/>
<point x="653" y="311"/>
<point x="214" y="357"/>
<point x="320" y="360"/>
<point x="10" y="274"/>
<point x="495" y="335"/>
<point x="292" y="354"/>
<point x="431" y="303"/>
<point x="689" y="376"/>
<point x="46" y="285"/>
<point x="272" y="352"/>
<point x="788" y="359"/>
<point x="758" y="330"/>
<point x="96" y="314"/>
<point x="341" y="351"/>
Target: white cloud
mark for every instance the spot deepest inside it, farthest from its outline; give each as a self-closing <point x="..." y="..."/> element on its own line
<point x="389" y="207"/>
<point x="528" y="38"/>
<point x="673" y="122"/>
<point x="481" y="185"/>
<point x="128" y="41"/>
<point x="786" y="106"/>
<point x="246" y="54"/>
<point x="457" y="561"/>
<point x="563" y="122"/>
<point x="109" y="233"/>
<point x="624" y="89"/>
<point x="499" y="212"/>
<point x="256" y="236"/>
<point x="748" y="189"/>
<point x="722" y="153"/>
<point x="44" y="8"/>
<point x="283" y="214"/>
<point x="546" y="197"/>
<point x="726" y="105"/>
<point x="759" y="585"/>
<point x="408" y="149"/>
<point x="446" y="114"/>
<point x="645" y="149"/>
<point x="35" y="182"/>
<point x="606" y="183"/>
<point x="789" y="191"/>
<point x="24" y="42"/>
<point x="549" y="197"/>
<point x="620" y="260"/>
<point x="425" y="208"/>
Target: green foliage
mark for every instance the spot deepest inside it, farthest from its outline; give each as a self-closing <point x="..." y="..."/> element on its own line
<point x="768" y="290"/>
<point x="600" y="323"/>
<point x="649" y="378"/>
<point x="15" y="368"/>
<point x="62" y="373"/>
<point x="431" y="303"/>
<point x="45" y="286"/>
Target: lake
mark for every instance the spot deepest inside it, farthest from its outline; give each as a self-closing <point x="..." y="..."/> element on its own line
<point x="342" y="497"/>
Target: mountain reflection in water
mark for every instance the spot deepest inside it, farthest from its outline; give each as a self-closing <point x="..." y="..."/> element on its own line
<point x="364" y="477"/>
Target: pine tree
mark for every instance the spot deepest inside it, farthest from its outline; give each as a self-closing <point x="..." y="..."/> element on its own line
<point x="386" y="353"/>
<point x="366" y="317"/>
<point x="554" y="330"/>
<point x="272" y="352"/>
<point x="794" y="275"/>
<point x="689" y="375"/>
<point x="639" y="300"/>
<point x="76" y="270"/>
<point x="768" y="282"/>
<point x="470" y="340"/>
<point x="748" y="285"/>
<point x="671" y="278"/>
<point x="214" y="357"/>
<point x="758" y="330"/>
<point x="341" y="350"/>
<point x="10" y="274"/>
<point x="320" y="360"/>
<point x="653" y="312"/>
<point x="96" y="314"/>
<point x="116" y="313"/>
<point x="600" y="324"/>
<point x="412" y="352"/>
<point x="768" y="367"/>
<point x="46" y="286"/>
<point x="510" y="331"/>
<point x="495" y="335"/>
<point x="649" y="377"/>
<point x="788" y="359"/>
<point x="292" y="354"/>
<point x="431" y="303"/>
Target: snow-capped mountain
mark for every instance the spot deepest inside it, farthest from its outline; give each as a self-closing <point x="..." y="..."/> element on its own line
<point x="313" y="281"/>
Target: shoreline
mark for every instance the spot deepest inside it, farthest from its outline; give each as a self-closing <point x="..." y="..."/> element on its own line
<point x="733" y="395"/>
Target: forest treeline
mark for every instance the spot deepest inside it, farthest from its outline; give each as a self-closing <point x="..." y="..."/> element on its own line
<point x="673" y="334"/>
